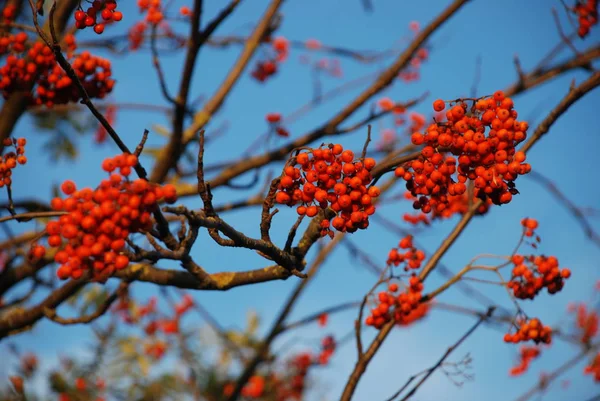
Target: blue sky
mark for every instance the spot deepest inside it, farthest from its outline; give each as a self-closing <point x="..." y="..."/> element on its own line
<point x="493" y="31"/>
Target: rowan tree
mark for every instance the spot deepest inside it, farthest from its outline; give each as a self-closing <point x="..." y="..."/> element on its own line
<point x="407" y="198"/>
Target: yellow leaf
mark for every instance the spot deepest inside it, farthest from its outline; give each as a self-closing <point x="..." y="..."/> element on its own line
<point x="224" y="359"/>
<point x="160" y="130"/>
<point x="252" y="322"/>
<point x="144" y="364"/>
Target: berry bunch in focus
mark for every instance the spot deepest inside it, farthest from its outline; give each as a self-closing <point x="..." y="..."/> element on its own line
<point x="105" y="9"/>
<point x="530" y="330"/>
<point x="533" y="273"/>
<point x="404" y="308"/>
<point x="330" y="177"/>
<point x="10" y="160"/>
<point x="411" y="256"/>
<point x="36" y="67"/>
<point x="460" y="148"/>
<point x="91" y="236"/>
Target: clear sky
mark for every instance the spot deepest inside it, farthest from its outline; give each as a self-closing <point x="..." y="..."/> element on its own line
<point x="491" y="31"/>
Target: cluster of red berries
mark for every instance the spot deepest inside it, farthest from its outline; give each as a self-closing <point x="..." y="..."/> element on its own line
<point x="93" y="232"/>
<point x="268" y="67"/>
<point x="9" y="13"/>
<point x="594" y="368"/>
<point x="83" y="390"/>
<point x="37" y="66"/>
<point x="412" y="73"/>
<point x="274" y="120"/>
<point x="387" y="104"/>
<point x="328" y="346"/>
<point x="293" y="388"/>
<point x="153" y="10"/>
<point x="13" y="43"/>
<point x="330" y="177"/>
<point x="93" y="72"/>
<point x="131" y="313"/>
<point x="543" y="272"/>
<point x="529" y="226"/>
<point x="526" y="355"/>
<point x="106" y="9"/>
<point x="10" y="160"/>
<point x="404" y="308"/>
<point x="291" y="384"/>
<point x="587" y="15"/>
<point x="264" y="70"/>
<point x="586" y="322"/>
<point x="532" y="330"/>
<point x="491" y="161"/>
<point x="136" y="35"/>
<point x="22" y="68"/>
<point x="281" y="46"/>
<point x="412" y="257"/>
<point x="457" y="204"/>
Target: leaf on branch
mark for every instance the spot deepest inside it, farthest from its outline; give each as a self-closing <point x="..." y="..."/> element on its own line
<point x="253" y="321"/>
<point x="161" y="130"/>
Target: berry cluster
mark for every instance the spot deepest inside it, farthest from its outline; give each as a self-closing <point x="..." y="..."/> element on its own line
<point x="136" y="35"/>
<point x="37" y="66"/>
<point x="153" y="10"/>
<point x="594" y="368"/>
<point x="36" y="252"/>
<point x="330" y="177"/>
<point x="412" y="73"/>
<point x="268" y="67"/>
<point x="404" y="308"/>
<point x="274" y="120"/>
<point x="526" y="355"/>
<point x="586" y="322"/>
<point x="533" y="273"/>
<point x="106" y="9"/>
<point x="93" y="232"/>
<point x="9" y="13"/>
<point x="13" y="43"/>
<point x="263" y="70"/>
<point x="587" y="15"/>
<point x="457" y="204"/>
<point x="529" y="226"/>
<point x="82" y="388"/>
<point x="328" y="346"/>
<point x="491" y="161"/>
<point x="153" y="324"/>
<point x="93" y="72"/>
<point x="412" y="257"/>
<point x="530" y="330"/>
<point x="281" y="46"/>
<point x="10" y="160"/>
<point x="22" y="68"/>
